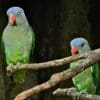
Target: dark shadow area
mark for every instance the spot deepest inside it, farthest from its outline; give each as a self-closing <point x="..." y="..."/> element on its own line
<point x="94" y="18"/>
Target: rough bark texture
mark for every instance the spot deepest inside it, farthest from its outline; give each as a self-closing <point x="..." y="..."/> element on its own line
<point x="55" y="23"/>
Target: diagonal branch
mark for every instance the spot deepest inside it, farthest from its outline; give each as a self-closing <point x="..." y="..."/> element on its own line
<point x="75" y="94"/>
<point x="92" y="58"/>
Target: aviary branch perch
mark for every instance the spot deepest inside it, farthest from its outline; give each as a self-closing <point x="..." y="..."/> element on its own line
<point x="75" y="94"/>
<point x="91" y="58"/>
<point x="53" y="63"/>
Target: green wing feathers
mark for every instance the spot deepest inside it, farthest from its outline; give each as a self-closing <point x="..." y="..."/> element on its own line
<point x="18" y="49"/>
<point x="84" y="80"/>
<point x="96" y="75"/>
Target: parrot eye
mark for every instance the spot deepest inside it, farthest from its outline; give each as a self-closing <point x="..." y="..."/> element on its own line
<point x="82" y="45"/>
<point x="18" y="13"/>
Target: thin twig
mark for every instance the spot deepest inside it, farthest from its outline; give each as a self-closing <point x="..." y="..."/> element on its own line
<point x="75" y="94"/>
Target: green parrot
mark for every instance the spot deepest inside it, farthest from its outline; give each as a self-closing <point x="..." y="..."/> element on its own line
<point x="87" y="81"/>
<point x="18" y="41"/>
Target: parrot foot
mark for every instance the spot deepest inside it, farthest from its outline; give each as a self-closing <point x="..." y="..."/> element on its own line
<point x="71" y="90"/>
<point x="10" y="69"/>
<point x="80" y="93"/>
<point x="18" y="64"/>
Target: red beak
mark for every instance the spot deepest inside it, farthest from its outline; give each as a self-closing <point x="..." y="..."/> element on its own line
<point x="12" y="19"/>
<point x="74" y="50"/>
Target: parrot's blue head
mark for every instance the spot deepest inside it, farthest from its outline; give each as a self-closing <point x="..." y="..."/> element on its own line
<point x="16" y="16"/>
<point x="79" y="45"/>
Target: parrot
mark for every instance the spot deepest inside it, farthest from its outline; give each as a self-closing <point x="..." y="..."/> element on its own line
<point x="18" y="40"/>
<point x="87" y="81"/>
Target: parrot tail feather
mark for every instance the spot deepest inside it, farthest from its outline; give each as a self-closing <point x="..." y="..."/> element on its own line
<point x="19" y="76"/>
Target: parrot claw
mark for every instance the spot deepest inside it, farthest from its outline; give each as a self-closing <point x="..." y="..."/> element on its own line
<point x="10" y="69"/>
<point x="18" y="64"/>
<point x="71" y="90"/>
<point x="82" y="92"/>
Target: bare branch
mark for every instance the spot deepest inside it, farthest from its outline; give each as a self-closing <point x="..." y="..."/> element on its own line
<point x="75" y="94"/>
<point x="92" y="58"/>
<point x="53" y="63"/>
<point x="54" y="80"/>
<point x="56" y="63"/>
